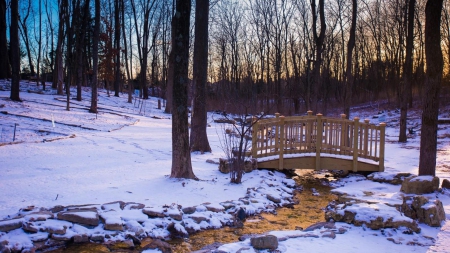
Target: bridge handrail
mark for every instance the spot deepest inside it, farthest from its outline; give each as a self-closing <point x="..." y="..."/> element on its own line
<point x="317" y="134"/>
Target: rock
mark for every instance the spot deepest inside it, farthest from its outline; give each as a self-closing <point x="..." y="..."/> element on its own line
<point x="225" y="120"/>
<point x="133" y="205"/>
<point x="319" y="225"/>
<point x="385" y="177"/>
<point x="198" y="218"/>
<point x="57" y="209"/>
<point x="81" y="238"/>
<point x="153" y="213"/>
<point x="420" y="185"/>
<point x="274" y="199"/>
<point x="39" y="237"/>
<point x="113" y="206"/>
<point x="211" y="161"/>
<point x="175" y="214"/>
<point x="135" y="240"/>
<point x="445" y="184"/>
<point x="214" y="208"/>
<point x="62" y="237"/>
<point x="430" y="212"/>
<point x="92" y="208"/>
<point x="113" y="224"/>
<point x="224" y="166"/>
<point x="177" y="230"/>
<point x="264" y="242"/>
<point x="328" y="234"/>
<point x="39" y="216"/>
<point x="8" y="225"/>
<point x="89" y="218"/>
<point x="98" y="238"/>
<point x="164" y="247"/>
<point x="29" y="227"/>
<point x="189" y="210"/>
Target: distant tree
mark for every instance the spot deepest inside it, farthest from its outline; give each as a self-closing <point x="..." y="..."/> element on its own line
<point x="15" y="51"/>
<point x="94" y="84"/>
<point x="407" y="71"/>
<point x="23" y="20"/>
<point x="433" y="78"/>
<point x="199" y="138"/>
<point x="5" y="68"/>
<point x="181" y="156"/>
<point x="118" y="4"/>
<point x="348" y="71"/>
<point x="319" y="42"/>
<point x="58" y="72"/>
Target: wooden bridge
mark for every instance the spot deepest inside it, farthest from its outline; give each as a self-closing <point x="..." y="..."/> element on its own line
<point x="317" y="142"/>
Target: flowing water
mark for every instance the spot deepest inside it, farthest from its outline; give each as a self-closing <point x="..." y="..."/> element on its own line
<point x="312" y="200"/>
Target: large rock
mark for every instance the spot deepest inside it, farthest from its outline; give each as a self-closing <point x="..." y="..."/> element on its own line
<point x="430" y="212"/>
<point x="89" y="218"/>
<point x="8" y="225"/>
<point x="445" y="184"/>
<point x="154" y="212"/>
<point x="420" y="185"/>
<point x="158" y="244"/>
<point x="264" y="242"/>
<point x="385" y="177"/>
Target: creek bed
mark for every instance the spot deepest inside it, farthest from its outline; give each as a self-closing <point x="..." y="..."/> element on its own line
<point x="311" y="202"/>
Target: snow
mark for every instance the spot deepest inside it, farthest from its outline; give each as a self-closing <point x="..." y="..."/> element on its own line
<point x="124" y="154"/>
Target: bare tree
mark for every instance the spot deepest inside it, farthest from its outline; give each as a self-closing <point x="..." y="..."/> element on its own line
<point x="25" y="35"/>
<point x="319" y="42"/>
<point x="348" y="72"/>
<point x="94" y="84"/>
<point x="14" y="47"/>
<point x="435" y="62"/>
<point x="118" y="4"/>
<point x="199" y="138"/>
<point x="5" y="68"/>
<point x="181" y="156"/>
<point x="407" y="72"/>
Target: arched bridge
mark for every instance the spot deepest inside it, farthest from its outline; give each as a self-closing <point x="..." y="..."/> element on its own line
<point x="317" y="142"/>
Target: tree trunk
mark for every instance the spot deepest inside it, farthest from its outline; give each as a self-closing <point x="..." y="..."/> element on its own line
<point x="15" y="56"/>
<point x="199" y="138"/>
<point x="5" y="68"/>
<point x="58" y="70"/>
<point x="181" y="157"/>
<point x="407" y="73"/>
<point x="94" y="85"/>
<point x="433" y="78"/>
<point x="348" y="72"/>
<point x="319" y="40"/>
<point x="117" y="6"/>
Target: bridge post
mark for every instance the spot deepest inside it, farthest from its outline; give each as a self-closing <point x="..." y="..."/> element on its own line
<point x="355" y="144"/>
<point x="344" y="135"/>
<point x="282" y="139"/>
<point x="277" y="130"/>
<point x="319" y="136"/>
<point x="382" y="140"/>
<point x="254" y="137"/>
<point x="366" y="137"/>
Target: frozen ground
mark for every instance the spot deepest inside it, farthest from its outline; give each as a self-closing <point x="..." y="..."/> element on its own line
<point x="60" y="157"/>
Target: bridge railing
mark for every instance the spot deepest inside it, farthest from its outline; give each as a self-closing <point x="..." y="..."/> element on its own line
<point x="315" y="135"/>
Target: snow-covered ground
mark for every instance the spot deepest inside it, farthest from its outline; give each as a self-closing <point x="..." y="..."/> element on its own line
<point x="123" y="153"/>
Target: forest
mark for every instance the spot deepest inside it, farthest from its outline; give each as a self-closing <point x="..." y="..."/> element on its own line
<point x="248" y="56"/>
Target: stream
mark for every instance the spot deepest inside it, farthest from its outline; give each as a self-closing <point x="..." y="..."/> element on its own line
<point x="311" y="202"/>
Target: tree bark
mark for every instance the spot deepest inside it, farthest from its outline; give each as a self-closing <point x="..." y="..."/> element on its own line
<point x="433" y="78"/>
<point x="15" y="56"/>
<point x="94" y="85"/>
<point x="348" y="72"/>
<point x="319" y="40"/>
<point x="199" y="137"/>
<point x="181" y="157"/>
<point x="117" y="6"/>
<point x="407" y="72"/>
<point x="5" y="68"/>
